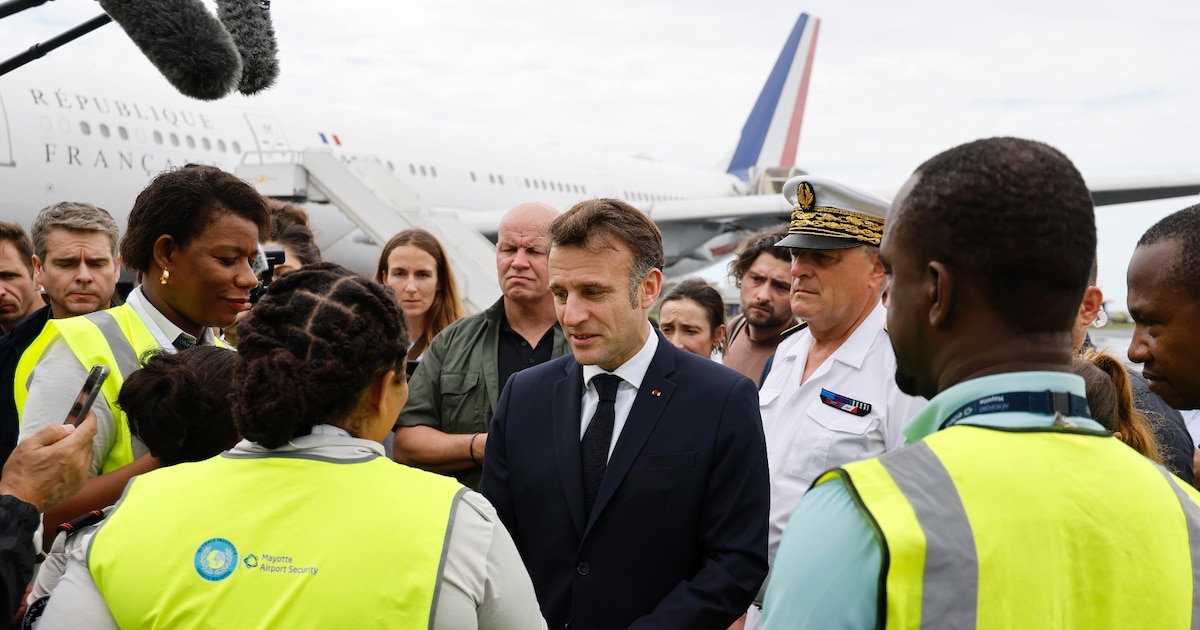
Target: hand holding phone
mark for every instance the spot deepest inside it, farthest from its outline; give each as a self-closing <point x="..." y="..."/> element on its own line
<point x="87" y="395"/>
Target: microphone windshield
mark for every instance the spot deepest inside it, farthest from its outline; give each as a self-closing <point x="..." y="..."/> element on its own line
<point x="249" y="22"/>
<point x="184" y="41"/>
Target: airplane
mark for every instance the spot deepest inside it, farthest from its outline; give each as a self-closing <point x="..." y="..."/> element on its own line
<point x="64" y="136"/>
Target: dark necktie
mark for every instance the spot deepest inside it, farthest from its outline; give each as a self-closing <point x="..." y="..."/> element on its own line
<point x="183" y="343"/>
<point x="593" y="449"/>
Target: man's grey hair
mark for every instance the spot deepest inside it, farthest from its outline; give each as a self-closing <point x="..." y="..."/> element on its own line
<point x="72" y="215"/>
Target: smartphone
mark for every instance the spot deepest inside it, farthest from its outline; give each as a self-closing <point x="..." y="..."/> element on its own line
<point x="87" y="395"/>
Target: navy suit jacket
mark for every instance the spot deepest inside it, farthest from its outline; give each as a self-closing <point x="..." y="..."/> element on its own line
<point x="678" y="534"/>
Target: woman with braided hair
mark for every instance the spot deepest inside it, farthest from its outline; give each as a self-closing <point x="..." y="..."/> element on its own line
<point x="284" y="529"/>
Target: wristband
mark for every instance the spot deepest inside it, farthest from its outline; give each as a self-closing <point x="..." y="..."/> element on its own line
<point x="471" y="449"/>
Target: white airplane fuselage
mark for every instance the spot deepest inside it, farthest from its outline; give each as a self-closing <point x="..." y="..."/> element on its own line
<point x="73" y="138"/>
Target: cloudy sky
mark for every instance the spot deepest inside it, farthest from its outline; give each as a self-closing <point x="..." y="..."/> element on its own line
<point x="1112" y="84"/>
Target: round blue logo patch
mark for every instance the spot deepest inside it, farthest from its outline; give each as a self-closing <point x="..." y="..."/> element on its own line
<point x="216" y="559"/>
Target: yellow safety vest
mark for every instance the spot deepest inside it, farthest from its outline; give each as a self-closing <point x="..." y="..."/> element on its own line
<point x="116" y="337"/>
<point x="995" y="528"/>
<point x="277" y="541"/>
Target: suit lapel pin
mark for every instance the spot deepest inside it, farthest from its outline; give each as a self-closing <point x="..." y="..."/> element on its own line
<point x="655" y="392"/>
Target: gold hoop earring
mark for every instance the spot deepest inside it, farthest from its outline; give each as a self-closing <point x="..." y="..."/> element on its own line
<point x="166" y="275"/>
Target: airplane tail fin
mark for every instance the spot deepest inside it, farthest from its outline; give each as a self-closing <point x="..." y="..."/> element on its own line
<point x="772" y="132"/>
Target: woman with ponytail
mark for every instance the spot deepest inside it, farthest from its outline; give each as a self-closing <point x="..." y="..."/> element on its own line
<point x="1111" y="401"/>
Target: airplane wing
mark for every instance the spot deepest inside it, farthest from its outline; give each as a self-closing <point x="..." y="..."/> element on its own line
<point x="697" y="232"/>
<point x="1129" y="189"/>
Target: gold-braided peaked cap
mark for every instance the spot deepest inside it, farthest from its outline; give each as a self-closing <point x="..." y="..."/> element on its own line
<point x="831" y="215"/>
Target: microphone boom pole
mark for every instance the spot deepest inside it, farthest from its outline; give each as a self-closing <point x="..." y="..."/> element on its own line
<point x="37" y="51"/>
<point x="16" y="6"/>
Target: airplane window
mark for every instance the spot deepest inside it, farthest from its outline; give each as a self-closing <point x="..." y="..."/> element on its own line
<point x="104" y="133"/>
<point x="391" y="167"/>
<point x="527" y="182"/>
<point x="237" y="148"/>
<point x="123" y="132"/>
<point x="158" y="138"/>
<point x="544" y="186"/>
<point x="433" y="170"/>
<point x="206" y="144"/>
<point x="584" y="190"/>
<point x="472" y="175"/>
<point x="501" y="178"/>
<point x="191" y="142"/>
<point x="220" y="145"/>
<point x="491" y="178"/>
<point x="412" y="169"/>
<point x="174" y="140"/>
<point x="85" y="128"/>
<point x="423" y="172"/>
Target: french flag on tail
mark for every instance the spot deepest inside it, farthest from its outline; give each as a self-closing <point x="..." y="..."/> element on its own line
<point x="772" y="132"/>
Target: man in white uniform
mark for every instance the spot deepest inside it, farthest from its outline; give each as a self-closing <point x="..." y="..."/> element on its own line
<point x="831" y="395"/>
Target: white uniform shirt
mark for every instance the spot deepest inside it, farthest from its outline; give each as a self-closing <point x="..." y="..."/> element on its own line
<point x="805" y="436"/>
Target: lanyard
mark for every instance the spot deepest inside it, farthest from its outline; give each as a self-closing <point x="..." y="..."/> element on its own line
<point x="1044" y="402"/>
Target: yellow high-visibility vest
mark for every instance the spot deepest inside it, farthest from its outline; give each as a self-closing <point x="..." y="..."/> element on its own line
<point x="278" y="541"/>
<point x="1030" y="528"/>
<point x="115" y="337"/>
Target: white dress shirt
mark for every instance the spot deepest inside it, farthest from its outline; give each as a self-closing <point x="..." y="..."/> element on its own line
<point x="631" y="373"/>
<point x="805" y="436"/>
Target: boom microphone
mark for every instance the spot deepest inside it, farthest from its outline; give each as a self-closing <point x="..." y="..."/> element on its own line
<point x="249" y="22"/>
<point x="184" y="41"/>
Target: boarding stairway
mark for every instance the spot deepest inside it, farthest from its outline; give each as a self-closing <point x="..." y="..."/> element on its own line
<point x="770" y="181"/>
<point x="380" y="204"/>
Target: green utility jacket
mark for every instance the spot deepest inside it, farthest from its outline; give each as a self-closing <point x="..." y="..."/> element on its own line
<point x="456" y="388"/>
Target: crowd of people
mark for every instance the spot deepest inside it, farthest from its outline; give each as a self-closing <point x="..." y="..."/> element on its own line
<point x="906" y="424"/>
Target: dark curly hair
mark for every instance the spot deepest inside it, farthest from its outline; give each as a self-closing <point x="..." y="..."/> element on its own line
<point x="178" y="404"/>
<point x="1016" y="217"/>
<point x="182" y="203"/>
<point x="755" y="245"/>
<point x="1182" y="227"/>
<point x="309" y="349"/>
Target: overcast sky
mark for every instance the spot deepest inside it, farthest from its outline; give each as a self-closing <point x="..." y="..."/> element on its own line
<point x="1112" y="84"/>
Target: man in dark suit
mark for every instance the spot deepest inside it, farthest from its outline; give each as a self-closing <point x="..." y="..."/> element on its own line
<point x="643" y="507"/>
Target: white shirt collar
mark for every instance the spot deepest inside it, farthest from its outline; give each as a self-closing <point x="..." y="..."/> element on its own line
<point x="632" y="371"/>
<point x="163" y="330"/>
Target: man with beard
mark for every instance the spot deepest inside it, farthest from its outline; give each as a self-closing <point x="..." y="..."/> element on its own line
<point x="761" y="272"/>
<point x="831" y="395"/>
<point x="1010" y="507"/>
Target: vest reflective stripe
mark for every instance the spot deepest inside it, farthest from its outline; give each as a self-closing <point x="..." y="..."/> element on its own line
<point x="950" y="558"/>
<point x="987" y="528"/>
<point x="115" y="337"/>
<point x="122" y="351"/>
<point x="1192" y="512"/>
<point x="308" y="543"/>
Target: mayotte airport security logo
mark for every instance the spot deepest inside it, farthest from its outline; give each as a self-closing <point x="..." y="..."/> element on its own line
<point x="216" y="559"/>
